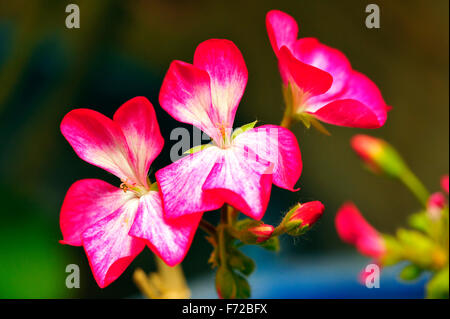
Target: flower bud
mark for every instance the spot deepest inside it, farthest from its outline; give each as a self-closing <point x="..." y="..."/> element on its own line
<point x="436" y="202"/>
<point x="302" y="217"/>
<point x="230" y="285"/>
<point x="260" y="233"/>
<point x="444" y="183"/>
<point x="379" y="156"/>
<point x="354" y="229"/>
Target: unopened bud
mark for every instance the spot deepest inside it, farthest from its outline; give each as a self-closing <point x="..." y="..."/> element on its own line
<point x="302" y="217"/>
<point x="259" y="233"/>
<point x="436" y="202"/>
<point x="379" y="155"/>
<point x="444" y="183"/>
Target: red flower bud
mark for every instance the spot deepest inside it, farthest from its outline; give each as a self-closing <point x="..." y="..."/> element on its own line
<point x="444" y="183"/>
<point x="379" y="156"/>
<point x="436" y="202"/>
<point x="354" y="229"/>
<point x="302" y="217"/>
<point x="308" y="213"/>
<point x="261" y="232"/>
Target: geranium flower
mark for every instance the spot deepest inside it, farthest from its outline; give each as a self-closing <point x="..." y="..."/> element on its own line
<point x="238" y="169"/>
<point x="319" y="81"/>
<point x="354" y="229"/>
<point x="114" y="224"/>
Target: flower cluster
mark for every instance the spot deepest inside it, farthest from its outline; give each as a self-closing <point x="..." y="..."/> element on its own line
<point x="425" y="247"/>
<point x="234" y="172"/>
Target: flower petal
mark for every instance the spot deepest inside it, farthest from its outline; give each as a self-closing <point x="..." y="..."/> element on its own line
<point x="359" y="105"/>
<point x="139" y="125"/>
<point x="226" y="67"/>
<point x="86" y="202"/>
<point x="181" y="184"/>
<point x="354" y="229"/>
<point x="186" y="95"/>
<point x="325" y="58"/>
<point x="99" y="141"/>
<point x="278" y="146"/>
<point x="169" y="239"/>
<point x="308" y="78"/>
<point x="241" y="179"/>
<point x="109" y="247"/>
<point x="282" y="29"/>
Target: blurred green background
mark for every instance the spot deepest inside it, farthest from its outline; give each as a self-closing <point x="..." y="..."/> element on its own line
<point x="124" y="48"/>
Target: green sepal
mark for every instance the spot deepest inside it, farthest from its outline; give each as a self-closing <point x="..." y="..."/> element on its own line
<point x="243" y="129"/>
<point x="154" y="187"/>
<point x="272" y="244"/>
<point x="197" y="148"/>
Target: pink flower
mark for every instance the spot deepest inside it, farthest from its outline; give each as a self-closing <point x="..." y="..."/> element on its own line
<point x="238" y="170"/>
<point x="321" y="80"/>
<point x="114" y="224"/>
<point x="354" y="229"/>
<point x="444" y="183"/>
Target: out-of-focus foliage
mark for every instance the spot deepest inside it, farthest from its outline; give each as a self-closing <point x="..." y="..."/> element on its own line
<point x="123" y="49"/>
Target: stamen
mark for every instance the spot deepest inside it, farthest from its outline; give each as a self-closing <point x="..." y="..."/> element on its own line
<point x="125" y="186"/>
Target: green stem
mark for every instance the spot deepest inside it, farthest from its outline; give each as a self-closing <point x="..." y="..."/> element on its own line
<point x="415" y="186"/>
<point x="208" y="228"/>
<point x="222" y="240"/>
<point x="287" y="118"/>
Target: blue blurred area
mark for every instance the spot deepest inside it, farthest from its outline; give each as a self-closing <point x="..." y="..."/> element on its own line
<point x="316" y="276"/>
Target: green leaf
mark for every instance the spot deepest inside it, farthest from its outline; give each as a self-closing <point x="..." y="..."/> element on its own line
<point x="243" y="129"/>
<point x="411" y="272"/>
<point x="437" y="287"/>
<point x="197" y="148"/>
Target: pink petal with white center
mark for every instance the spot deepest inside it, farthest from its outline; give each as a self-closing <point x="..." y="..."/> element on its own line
<point x="330" y="60"/>
<point x="282" y="29"/>
<point x="138" y="122"/>
<point x="278" y="146"/>
<point x="226" y="67"/>
<point x="354" y="229"/>
<point x="99" y="141"/>
<point x="169" y="239"/>
<point x="241" y="179"/>
<point x="109" y="247"/>
<point x="86" y="202"/>
<point x="309" y="79"/>
<point x="181" y="183"/>
<point x="186" y="95"/>
<point x="360" y="105"/>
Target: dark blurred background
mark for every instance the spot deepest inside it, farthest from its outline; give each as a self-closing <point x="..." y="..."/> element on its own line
<point x="124" y="48"/>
